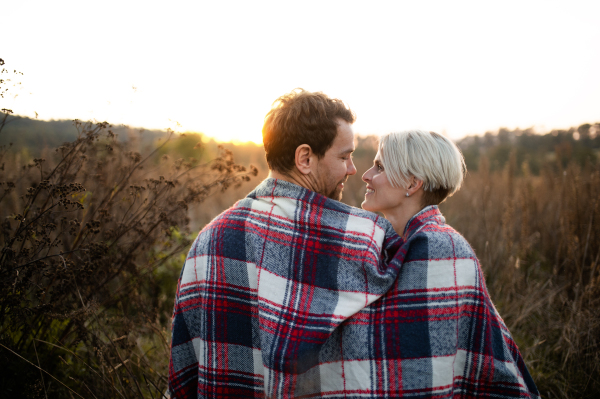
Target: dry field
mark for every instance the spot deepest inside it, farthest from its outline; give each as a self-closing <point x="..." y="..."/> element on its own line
<point x="88" y="270"/>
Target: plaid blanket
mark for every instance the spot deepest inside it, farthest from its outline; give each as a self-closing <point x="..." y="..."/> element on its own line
<point x="291" y="294"/>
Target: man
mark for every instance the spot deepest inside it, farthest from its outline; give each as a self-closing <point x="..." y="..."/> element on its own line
<point x="267" y="282"/>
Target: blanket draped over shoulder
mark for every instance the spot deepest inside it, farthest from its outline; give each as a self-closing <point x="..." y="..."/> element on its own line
<point x="291" y="294"/>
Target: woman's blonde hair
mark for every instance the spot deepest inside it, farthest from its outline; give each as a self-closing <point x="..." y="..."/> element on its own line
<point x="427" y="156"/>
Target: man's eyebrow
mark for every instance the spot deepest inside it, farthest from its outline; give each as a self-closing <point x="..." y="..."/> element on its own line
<point x="348" y="150"/>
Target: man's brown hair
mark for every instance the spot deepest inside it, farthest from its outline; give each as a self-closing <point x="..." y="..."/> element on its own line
<point x="301" y="117"/>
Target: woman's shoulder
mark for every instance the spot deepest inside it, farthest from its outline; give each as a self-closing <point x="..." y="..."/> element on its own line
<point x="438" y="258"/>
<point x="437" y="241"/>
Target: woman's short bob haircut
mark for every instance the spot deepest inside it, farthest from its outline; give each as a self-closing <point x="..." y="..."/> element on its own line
<point x="427" y="156"/>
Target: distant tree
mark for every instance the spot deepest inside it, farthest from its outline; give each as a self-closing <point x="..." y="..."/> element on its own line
<point x="557" y="149"/>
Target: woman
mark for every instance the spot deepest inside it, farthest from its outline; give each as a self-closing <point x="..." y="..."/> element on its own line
<point x="449" y="337"/>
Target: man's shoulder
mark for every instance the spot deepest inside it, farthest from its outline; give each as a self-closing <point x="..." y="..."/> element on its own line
<point x="298" y="202"/>
<point x="283" y="205"/>
<point x="231" y="216"/>
<point x="224" y="232"/>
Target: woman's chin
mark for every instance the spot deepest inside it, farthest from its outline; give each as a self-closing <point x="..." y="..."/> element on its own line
<point x="366" y="206"/>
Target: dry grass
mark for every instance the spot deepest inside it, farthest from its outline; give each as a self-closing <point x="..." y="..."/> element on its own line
<point x="538" y="240"/>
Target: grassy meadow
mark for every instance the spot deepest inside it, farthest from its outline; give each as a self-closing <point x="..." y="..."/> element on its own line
<point x="94" y="233"/>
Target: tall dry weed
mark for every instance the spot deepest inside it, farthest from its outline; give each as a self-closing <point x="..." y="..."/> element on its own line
<point x="92" y="238"/>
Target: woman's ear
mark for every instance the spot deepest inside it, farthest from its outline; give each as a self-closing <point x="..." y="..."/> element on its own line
<point x="414" y="185"/>
<point x="304" y="161"/>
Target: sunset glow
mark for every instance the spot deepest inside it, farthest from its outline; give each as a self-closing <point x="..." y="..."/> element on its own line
<point x="215" y="67"/>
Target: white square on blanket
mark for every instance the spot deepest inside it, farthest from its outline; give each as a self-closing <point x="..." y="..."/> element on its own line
<point x="459" y="363"/>
<point x="199" y="347"/>
<point x="441" y="273"/>
<point x="194" y="269"/>
<point x="252" y="275"/>
<point x="366" y="227"/>
<point x="443" y="370"/>
<point x="259" y="367"/>
<point x="356" y="375"/>
<point x="350" y="303"/>
<point x="284" y="207"/>
<point x="273" y="288"/>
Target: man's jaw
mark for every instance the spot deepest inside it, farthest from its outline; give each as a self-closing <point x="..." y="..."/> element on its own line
<point x="336" y="194"/>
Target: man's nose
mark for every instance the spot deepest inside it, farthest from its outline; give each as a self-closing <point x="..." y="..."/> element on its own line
<point x="351" y="169"/>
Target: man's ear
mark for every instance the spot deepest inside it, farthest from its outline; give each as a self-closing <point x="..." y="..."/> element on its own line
<point x="304" y="159"/>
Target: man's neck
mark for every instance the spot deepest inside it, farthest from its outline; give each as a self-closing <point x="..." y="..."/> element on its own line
<point x="295" y="177"/>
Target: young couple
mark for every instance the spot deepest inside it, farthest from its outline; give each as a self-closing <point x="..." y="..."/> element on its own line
<point x="290" y="293"/>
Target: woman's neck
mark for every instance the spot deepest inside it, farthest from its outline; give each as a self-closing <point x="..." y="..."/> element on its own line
<point x="400" y="215"/>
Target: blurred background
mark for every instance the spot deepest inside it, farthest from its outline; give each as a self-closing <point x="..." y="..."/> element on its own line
<point x="127" y="126"/>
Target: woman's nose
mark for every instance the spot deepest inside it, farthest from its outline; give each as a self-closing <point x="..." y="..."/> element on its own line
<point x="367" y="176"/>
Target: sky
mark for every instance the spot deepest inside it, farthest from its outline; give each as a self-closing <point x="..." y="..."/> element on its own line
<point x="455" y="67"/>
